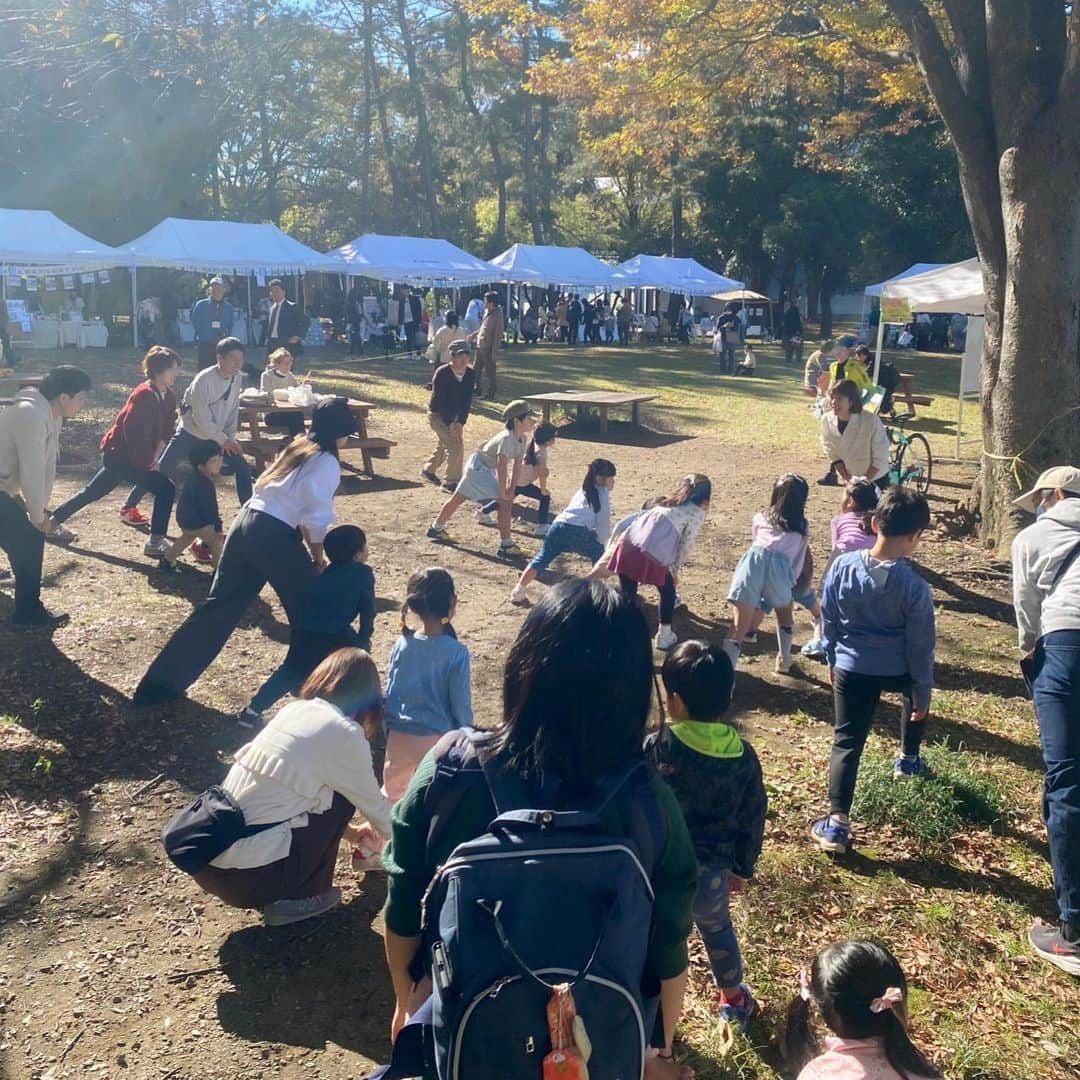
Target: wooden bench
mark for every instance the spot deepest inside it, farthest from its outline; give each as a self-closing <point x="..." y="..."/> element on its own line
<point x="906" y="391"/>
<point x="604" y="400"/>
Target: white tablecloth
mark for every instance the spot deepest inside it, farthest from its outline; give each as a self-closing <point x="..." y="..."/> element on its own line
<point x="44" y="334"/>
<point x="69" y="332"/>
<point x="93" y="336"/>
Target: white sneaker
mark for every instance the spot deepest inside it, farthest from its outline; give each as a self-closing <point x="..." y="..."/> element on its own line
<point x="666" y="639"/>
<point x="156" y="546"/>
<point x="519" y="596"/>
<point x="540" y="531"/>
<point x="487" y="519"/>
<point x="437" y="531"/>
<point x="283" y="912"/>
<point x="782" y="666"/>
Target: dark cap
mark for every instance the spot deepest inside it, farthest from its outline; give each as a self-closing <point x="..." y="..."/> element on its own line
<point x="332" y="419"/>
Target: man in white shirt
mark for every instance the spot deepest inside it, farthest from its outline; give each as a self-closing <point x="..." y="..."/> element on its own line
<point x="29" y="445"/>
<point x="210" y="411"/>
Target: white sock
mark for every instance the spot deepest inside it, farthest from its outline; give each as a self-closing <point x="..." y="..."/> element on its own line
<point x="733" y="650"/>
<point x="785" y="635"/>
<point x="819" y="630"/>
<point x="665" y="628"/>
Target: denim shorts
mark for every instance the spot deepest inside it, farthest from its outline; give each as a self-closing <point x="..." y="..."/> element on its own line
<point x="561" y="538"/>
<point x="763" y="579"/>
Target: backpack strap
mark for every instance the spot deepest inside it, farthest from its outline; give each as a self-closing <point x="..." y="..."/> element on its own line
<point x="640" y="808"/>
<point x="1061" y="571"/>
<point x="456" y="757"/>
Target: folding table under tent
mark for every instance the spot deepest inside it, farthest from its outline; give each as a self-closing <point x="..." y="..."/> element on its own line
<point x="223" y="247"/>
<point x="956" y="289"/>
<point x="413" y="260"/>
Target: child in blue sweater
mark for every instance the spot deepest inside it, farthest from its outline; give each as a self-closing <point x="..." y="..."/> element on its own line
<point x="428" y="683"/>
<point x="878" y="621"/>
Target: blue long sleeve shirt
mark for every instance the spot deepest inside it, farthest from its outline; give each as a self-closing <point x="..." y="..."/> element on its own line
<point x="203" y="316"/>
<point x="428" y="685"/>
<point x="341" y="593"/>
<point x="879" y="629"/>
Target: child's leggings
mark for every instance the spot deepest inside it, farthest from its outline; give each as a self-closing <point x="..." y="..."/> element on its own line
<point x="667" y="595"/>
<point x="533" y="491"/>
<point x="855" y="698"/>
<point x="712" y="916"/>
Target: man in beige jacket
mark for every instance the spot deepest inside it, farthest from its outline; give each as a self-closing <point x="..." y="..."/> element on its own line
<point x="488" y="339"/>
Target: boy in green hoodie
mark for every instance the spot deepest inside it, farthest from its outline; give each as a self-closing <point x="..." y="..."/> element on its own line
<point x="716" y="777"/>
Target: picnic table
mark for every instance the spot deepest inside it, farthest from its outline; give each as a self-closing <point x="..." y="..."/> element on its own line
<point x="906" y="391"/>
<point x="604" y="400"/>
<point x="265" y="443"/>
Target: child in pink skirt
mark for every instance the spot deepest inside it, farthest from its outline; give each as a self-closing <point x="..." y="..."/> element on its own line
<point x="860" y="992"/>
<point x="428" y="685"/>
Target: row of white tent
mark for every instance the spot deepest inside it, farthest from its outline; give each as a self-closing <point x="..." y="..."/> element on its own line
<point x="38" y="239"/>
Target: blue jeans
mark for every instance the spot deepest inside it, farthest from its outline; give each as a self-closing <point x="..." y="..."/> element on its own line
<point x="1056" y="689"/>
<point x="712" y="915"/>
<point x="562" y="538"/>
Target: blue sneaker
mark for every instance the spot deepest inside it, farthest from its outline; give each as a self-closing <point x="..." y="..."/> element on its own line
<point x="903" y="769"/>
<point x="739" y="1014"/>
<point x="831" y="835"/>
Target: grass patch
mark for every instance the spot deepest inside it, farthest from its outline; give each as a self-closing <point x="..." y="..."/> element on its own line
<point x="931" y="809"/>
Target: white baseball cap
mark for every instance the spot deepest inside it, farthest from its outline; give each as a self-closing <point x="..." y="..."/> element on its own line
<point x="1065" y="477"/>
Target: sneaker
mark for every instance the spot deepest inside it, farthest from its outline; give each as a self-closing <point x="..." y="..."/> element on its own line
<point x="201" y="552"/>
<point x="540" y="531"/>
<point x="283" y="912"/>
<point x="430" y="477"/>
<point x="829" y="480"/>
<point x="149" y="693"/>
<point x="58" y="534"/>
<point x="909" y="770"/>
<point x="509" y="550"/>
<point x="751" y="638"/>
<point x="489" y="519"/>
<point x="665" y="639"/>
<point x="447" y="486"/>
<point x="132" y="515"/>
<point x="831" y="835"/>
<point x="1058" y="944"/>
<point x="783" y="664"/>
<point x="518" y="596"/>
<point x="249" y="718"/>
<point x="156" y="546"/>
<point x="40" y="616"/>
<point x="814" y="649"/>
<point x="437" y="532"/>
<point x="740" y="1012"/>
<point x="167" y="567"/>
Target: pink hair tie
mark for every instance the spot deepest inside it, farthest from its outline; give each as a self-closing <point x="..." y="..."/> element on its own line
<point x="889" y="1000"/>
<point x="804" y="986"/>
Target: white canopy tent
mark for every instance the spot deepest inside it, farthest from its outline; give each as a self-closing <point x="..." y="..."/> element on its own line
<point x="222" y="247"/>
<point x="39" y="239"/>
<point x="533" y="264"/>
<point x="875" y="290"/>
<point x="414" y="260"/>
<point x="952" y="289"/>
<point x="686" y="276"/>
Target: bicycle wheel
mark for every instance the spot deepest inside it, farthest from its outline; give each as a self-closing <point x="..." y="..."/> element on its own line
<point x="915" y="463"/>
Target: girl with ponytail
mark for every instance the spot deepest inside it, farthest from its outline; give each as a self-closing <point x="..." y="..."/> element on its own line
<point x="861" y="994"/>
<point x="583" y="527"/>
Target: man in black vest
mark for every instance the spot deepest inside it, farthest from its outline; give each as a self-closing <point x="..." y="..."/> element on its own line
<point x="286" y="325"/>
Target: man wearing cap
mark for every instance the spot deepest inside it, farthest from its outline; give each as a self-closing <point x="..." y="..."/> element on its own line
<point x="488" y="339"/>
<point x="1046" y="594"/>
<point x="451" y="397"/>
<point x="212" y="319"/>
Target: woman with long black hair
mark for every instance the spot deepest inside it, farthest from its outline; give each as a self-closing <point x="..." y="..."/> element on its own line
<point x="293" y="502"/>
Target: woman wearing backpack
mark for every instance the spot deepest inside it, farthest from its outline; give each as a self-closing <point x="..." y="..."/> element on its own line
<point x="558" y="750"/>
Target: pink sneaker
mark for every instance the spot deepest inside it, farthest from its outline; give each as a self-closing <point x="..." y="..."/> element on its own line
<point x="201" y="552"/>
<point x="132" y="515"/>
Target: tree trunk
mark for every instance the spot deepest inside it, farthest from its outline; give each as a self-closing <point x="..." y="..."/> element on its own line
<point x="423" y="133"/>
<point x="528" y="171"/>
<point x="365" y="125"/>
<point x="825" y="305"/>
<point x="813" y="290"/>
<point x="547" y="216"/>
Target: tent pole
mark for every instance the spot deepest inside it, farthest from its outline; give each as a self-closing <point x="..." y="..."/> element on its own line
<point x="250" y="342"/>
<point x="959" y="416"/>
<point x="134" y="308"/>
<point x="880" y="341"/>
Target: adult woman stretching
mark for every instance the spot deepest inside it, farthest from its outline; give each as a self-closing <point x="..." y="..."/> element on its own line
<point x="855" y="442"/>
<point x="131" y="447"/>
<point x="293" y="500"/>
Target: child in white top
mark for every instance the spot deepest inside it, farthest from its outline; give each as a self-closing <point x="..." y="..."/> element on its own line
<point x="279" y="375"/>
<point x="582" y="527"/>
<point x="532" y="479"/>
<point x="861" y="994"/>
<point x="777" y="563"/>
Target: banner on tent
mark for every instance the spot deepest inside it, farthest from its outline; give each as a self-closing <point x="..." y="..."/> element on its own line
<point x="69" y="282"/>
<point x="103" y="277"/>
<point x="17" y="313"/>
<point x="50" y="284"/>
<point x="87" y="279"/>
<point x="895" y="309"/>
<point x="31" y="284"/>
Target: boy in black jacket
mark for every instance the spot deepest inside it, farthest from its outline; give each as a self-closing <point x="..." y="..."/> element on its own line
<point x="451" y="396"/>
<point x="197" y="511"/>
<point x="716" y="777"/>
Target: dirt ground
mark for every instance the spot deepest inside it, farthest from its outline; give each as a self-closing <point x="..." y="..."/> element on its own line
<point x="114" y="964"/>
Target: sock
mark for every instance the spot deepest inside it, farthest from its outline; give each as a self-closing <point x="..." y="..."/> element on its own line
<point x="665" y="628"/>
<point x="785" y="635"/>
<point x="732" y="997"/>
<point x="819" y="630"/>
<point x="733" y="650"/>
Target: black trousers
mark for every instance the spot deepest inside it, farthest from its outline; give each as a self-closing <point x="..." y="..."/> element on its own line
<point x="114" y="472"/>
<point x="259" y="549"/>
<point x="533" y="492"/>
<point x="25" y="548"/>
<point x="855" y="697"/>
<point x="667" y="595"/>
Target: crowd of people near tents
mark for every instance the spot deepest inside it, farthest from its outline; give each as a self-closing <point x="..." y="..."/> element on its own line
<point x="570" y="802"/>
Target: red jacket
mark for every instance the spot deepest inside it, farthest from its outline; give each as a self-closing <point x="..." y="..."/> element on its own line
<point x="141" y="426"/>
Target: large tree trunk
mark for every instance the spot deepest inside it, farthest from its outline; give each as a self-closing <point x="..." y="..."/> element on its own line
<point x="530" y="203"/>
<point x="365" y="124"/>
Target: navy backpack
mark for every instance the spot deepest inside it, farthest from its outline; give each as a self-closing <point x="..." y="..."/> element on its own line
<point x="545" y="897"/>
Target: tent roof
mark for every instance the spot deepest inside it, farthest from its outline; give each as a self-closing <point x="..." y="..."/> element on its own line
<point x="956" y="288"/>
<point x="911" y="271"/>
<point x="686" y="276"/>
<point x="742" y="294"/>
<point x="225" y="247"/>
<point x="414" y="260"/>
<point x="38" y="238"/>
<point x="533" y="264"/>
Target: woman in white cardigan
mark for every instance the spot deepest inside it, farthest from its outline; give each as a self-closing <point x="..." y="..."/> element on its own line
<point x="855" y="442"/>
<point x="308" y="771"/>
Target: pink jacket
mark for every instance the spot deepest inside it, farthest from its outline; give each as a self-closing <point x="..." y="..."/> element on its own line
<point x="850" y="1059"/>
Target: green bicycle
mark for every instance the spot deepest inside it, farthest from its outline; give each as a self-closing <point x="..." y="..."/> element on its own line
<point x="911" y="462"/>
